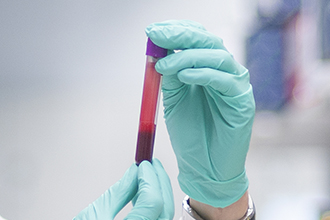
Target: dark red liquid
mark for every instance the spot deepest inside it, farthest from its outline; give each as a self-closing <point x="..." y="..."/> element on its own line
<point x="145" y="143"/>
<point x="147" y="126"/>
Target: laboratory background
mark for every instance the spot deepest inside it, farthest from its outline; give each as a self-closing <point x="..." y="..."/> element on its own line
<point x="71" y="77"/>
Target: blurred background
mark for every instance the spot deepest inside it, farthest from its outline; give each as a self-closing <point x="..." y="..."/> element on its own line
<point x="71" y="75"/>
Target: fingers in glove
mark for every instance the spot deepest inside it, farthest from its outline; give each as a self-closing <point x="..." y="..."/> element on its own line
<point x="194" y="58"/>
<point x="114" y="199"/>
<point x="179" y="23"/>
<point x="148" y="202"/>
<point x="199" y="58"/>
<point x="227" y="84"/>
<point x="180" y="37"/>
<point x="166" y="189"/>
<point x="214" y="68"/>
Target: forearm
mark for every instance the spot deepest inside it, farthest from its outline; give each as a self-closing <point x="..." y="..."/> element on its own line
<point x="234" y="211"/>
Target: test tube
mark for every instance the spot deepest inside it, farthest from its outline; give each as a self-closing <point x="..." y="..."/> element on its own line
<point x="149" y="104"/>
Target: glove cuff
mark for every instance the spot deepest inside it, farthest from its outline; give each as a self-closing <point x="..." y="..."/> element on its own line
<point x="212" y="192"/>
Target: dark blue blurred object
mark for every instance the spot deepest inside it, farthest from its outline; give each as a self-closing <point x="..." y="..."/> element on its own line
<point x="325" y="27"/>
<point x="264" y="61"/>
<point x="265" y="52"/>
<point x="285" y="10"/>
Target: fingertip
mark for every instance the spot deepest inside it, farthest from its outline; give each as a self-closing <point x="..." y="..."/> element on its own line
<point x="133" y="168"/>
<point x="160" y="66"/>
<point x="167" y="65"/>
<point x="155" y="160"/>
<point x="146" y="172"/>
<point x="144" y="164"/>
<point x="157" y="163"/>
<point x="148" y="31"/>
<point x="164" y="66"/>
<point x="148" y="28"/>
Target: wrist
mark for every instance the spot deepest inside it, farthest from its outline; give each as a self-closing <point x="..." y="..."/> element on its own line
<point x="243" y="209"/>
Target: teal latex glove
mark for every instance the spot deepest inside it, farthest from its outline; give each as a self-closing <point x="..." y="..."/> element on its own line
<point x="149" y="188"/>
<point x="208" y="109"/>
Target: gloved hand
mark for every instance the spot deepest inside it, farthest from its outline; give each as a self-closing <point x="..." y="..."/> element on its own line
<point x="149" y="188"/>
<point x="208" y="109"/>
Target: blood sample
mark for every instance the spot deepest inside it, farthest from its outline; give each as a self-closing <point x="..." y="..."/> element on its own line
<point x="149" y="105"/>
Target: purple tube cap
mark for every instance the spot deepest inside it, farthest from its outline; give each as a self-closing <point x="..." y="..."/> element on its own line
<point x="154" y="50"/>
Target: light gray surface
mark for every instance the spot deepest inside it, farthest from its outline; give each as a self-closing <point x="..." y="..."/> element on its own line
<point x="70" y="83"/>
<point x="288" y="163"/>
